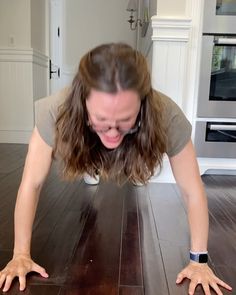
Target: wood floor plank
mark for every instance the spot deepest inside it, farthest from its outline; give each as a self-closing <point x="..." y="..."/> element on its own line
<point x="95" y="266"/>
<point x="12" y="157"/>
<point x="131" y="266"/>
<point x="130" y="290"/>
<point x="2" y="175"/>
<point x="35" y="290"/>
<point x="221" y="193"/>
<point x="173" y="232"/>
<point x="60" y="230"/>
<point x="5" y="256"/>
<point x="175" y="259"/>
<point x="8" y="191"/>
<point x="154" y="277"/>
<point x="91" y="239"/>
<point x="169" y="213"/>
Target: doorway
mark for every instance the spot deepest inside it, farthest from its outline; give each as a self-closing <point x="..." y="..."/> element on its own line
<point x="55" y="45"/>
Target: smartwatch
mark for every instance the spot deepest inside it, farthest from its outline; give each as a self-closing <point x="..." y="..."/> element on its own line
<point x="201" y="257"/>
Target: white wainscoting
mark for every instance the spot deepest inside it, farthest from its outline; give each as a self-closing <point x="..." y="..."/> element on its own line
<point x="175" y="72"/>
<point x="40" y="75"/>
<point x="169" y="67"/>
<point x="170" y="52"/>
<point x="23" y="78"/>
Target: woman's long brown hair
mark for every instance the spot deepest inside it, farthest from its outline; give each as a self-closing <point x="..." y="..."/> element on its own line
<point x="110" y="68"/>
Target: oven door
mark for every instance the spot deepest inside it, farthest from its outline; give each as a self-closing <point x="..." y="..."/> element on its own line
<point x="215" y="139"/>
<point x="217" y="84"/>
<point x="219" y="16"/>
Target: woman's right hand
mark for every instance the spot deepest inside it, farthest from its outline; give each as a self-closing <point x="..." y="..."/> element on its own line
<point x="19" y="266"/>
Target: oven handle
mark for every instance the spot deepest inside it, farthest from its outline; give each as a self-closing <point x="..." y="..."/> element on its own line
<point x="225" y="41"/>
<point x="222" y="127"/>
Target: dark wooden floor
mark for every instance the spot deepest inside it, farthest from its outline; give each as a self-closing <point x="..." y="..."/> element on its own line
<point x="106" y="239"/>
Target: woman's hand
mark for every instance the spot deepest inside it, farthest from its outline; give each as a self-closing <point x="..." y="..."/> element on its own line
<point x="200" y="273"/>
<point x="19" y="266"/>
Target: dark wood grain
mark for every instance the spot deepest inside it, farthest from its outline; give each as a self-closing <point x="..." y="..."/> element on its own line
<point x="106" y="239"/>
<point x="154" y="276"/>
<point x="131" y="265"/>
<point x="131" y="290"/>
<point x="221" y="193"/>
<point x="95" y="265"/>
<point x="173" y="233"/>
<point x="8" y="190"/>
<point x="12" y="157"/>
<point x="34" y="290"/>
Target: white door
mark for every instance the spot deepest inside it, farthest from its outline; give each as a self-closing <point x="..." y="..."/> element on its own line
<point x="55" y="46"/>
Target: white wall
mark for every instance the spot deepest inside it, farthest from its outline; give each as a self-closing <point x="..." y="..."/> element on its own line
<point x="172" y="34"/>
<point x="23" y="66"/>
<point x="23" y="62"/>
<point x="171" y="8"/>
<point x="38" y="25"/>
<point x="15" y="23"/>
<point x="145" y="43"/>
<point x="90" y="23"/>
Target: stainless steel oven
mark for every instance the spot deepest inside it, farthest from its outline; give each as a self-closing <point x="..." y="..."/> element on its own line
<point x="215" y="130"/>
<point x="219" y="16"/>
<point x="217" y="83"/>
<point x="215" y="139"/>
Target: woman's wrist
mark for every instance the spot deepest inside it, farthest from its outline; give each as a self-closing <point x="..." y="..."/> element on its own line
<point x="21" y="254"/>
<point x="21" y="251"/>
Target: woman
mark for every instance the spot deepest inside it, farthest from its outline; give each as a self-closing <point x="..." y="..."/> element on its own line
<point x="112" y="123"/>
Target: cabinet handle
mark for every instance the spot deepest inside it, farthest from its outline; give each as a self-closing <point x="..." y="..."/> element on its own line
<point x="222" y="127"/>
<point x="226" y="41"/>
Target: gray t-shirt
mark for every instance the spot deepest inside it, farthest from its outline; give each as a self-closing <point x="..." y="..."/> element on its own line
<point x="178" y="127"/>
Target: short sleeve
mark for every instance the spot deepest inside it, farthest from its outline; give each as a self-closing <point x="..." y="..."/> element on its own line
<point x="46" y="112"/>
<point x="178" y="128"/>
<point x="44" y="120"/>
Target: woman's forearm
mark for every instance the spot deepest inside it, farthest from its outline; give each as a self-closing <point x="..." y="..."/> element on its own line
<point x="37" y="165"/>
<point x="186" y="172"/>
<point x="198" y="221"/>
<point x="26" y="204"/>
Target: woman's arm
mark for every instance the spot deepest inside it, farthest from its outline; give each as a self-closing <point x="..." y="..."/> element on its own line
<point x="37" y="165"/>
<point x="185" y="169"/>
<point x="186" y="172"/>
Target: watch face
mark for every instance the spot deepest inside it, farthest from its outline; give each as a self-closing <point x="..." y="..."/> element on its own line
<point x="203" y="258"/>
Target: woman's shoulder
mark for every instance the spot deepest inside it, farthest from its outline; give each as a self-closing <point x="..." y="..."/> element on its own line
<point x="53" y="101"/>
<point x="46" y="111"/>
<point x="178" y="128"/>
<point x="166" y="101"/>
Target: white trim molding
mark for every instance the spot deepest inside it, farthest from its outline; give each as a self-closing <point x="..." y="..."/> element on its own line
<point x="170" y="55"/>
<point x="24" y="78"/>
<point x="171" y="29"/>
<point x="217" y="166"/>
<point x="23" y="55"/>
<point x="175" y="72"/>
<point x="40" y="59"/>
<point x="15" y="136"/>
<point x="171" y="38"/>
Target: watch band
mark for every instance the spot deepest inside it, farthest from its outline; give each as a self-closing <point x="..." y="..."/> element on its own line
<point x="200" y="257"/>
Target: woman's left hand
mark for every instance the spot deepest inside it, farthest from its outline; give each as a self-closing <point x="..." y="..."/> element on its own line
<point x="200" y="273"/>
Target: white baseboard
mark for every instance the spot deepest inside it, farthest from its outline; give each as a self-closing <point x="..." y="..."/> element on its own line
<point x="217" y="166"/>
<point x="165" y="175"/>
<point x="12" y="136"/>
<point x="206" y="166"/>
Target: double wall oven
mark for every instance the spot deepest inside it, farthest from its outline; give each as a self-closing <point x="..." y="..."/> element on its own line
<point x="215" y="134"/>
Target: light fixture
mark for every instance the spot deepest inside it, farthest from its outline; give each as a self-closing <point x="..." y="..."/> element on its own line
<point x="133" y="7"/>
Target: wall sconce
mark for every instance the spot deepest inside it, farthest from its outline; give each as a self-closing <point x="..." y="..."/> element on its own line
<point x="132" y="8"/>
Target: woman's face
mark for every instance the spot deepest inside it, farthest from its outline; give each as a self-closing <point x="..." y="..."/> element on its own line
<point x="111" y="115"/>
